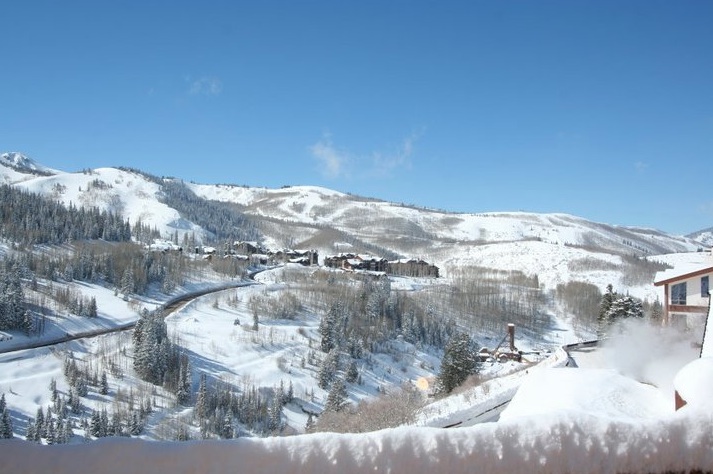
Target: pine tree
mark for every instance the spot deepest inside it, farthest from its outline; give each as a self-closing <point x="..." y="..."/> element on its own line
<point x="95" y="426"/>
<point x="460" y="360"/>
<point x="39" y="424"/>
<point x="6" y="428"/>
<point x="30" y="433"/>
<point x="352" y="372"/>
<point x="201" y="407"/>
<point x="183" y="390"/>
<point x="309" y="426"/>
<point x="104" y="384"/>
<point x="328" y="369"/>
<point x="92" y="307"/>
<point x="337" y="397"/>
<point x="603" y="322"/>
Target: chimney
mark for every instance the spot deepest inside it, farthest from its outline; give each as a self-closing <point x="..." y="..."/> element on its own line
<point x="511" y="332"/>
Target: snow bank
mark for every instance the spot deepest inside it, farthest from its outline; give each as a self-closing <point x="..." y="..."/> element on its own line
<point x="552" y="444"/>
<point x="603" y="393"/>
<point x="694" y="382"/>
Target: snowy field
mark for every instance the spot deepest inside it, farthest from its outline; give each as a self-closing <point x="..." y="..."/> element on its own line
<point x="613" y="414"/>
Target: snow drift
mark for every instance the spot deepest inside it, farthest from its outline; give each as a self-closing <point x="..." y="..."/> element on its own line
<point x="570" y="442"/>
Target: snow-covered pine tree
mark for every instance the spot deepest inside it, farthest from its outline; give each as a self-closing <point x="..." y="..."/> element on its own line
<point x="328" y="369"/>
<point x="201" y="407"/>
<point x="460" y="360"/>
<point x="103" y="384"/>
<point x="352" y="374"/>
<point x="337" y="397"/>
<point x="6" y="427"/>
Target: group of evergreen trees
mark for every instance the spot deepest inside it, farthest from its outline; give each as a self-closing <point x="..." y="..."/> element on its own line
<point x="13" y="311"/>
<point x="156" y="359"/>
<point x="28" y="218"/>
<point x="222" y="411"/>
<point x="615" y="307"/>
<point x="222" y="220"/>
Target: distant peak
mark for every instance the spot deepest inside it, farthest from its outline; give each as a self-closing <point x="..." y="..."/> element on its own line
<point x="23" y="163"/>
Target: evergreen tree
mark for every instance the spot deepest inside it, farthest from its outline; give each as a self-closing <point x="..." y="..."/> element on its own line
<point x="6" y="428"/>
<point x="328" y="369"/>
<point x="95" y="425"/>
<point x="39" y="424"/>
<point x="309" y="426"/>
<point x="607" y="299"/>
<point x="183" y="391"/>
<point x="460" y="360"/>
<point x="104" y="385"/>
<point x="92" y="307"/>
<point x="201" y="407"/>
<point x="352" y="373"/>
<point x="337" y="397"/>
<point x="30" y="433"/>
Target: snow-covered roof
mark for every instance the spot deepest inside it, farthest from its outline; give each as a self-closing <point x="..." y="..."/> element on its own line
<point x="682" y="272"/>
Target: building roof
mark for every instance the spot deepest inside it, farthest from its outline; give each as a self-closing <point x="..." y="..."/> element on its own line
<point x="682" y="272"/>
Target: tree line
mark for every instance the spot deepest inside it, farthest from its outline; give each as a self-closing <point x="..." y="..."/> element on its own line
<point x="27" y="218"/>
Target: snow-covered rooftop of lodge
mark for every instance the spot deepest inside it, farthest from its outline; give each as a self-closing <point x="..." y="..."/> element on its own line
<point x="683" y="264"/>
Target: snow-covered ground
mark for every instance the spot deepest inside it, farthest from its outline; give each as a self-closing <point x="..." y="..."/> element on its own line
<point x="601" y="419"/>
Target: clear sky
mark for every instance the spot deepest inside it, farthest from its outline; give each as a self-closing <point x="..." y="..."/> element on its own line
<point x="601" y="109"/>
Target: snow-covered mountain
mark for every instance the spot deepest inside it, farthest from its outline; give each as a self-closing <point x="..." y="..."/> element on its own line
<point x="132" y="194"/>
<point x="704" y="236"/>
<point x="17" y="167"/>
<point x="556" y="247"/>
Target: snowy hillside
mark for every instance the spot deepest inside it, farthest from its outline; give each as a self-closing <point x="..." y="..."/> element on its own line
<point x="555" y="247"/>
<point x="704" y="236"/>
<point x="16" y="167"/>
<point x="375" y="220"/>
<point x="130" y="194"/>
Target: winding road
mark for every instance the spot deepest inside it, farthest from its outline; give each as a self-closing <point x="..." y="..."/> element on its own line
<point x="167" y="308"/>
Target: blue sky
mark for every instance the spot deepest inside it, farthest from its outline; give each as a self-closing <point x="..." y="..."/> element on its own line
<point x="601" y="109"/>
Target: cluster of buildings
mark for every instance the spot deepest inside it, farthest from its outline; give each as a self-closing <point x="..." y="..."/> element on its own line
<point x="254" y="252"/>
<point x="405" y="267"/>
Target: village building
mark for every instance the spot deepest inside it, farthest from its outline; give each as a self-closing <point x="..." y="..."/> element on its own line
<point x="413" y="267"/>
<point x="247" y="247"/>
<point x="686" y="293"/>
<point x="352" y="261"/>
<point x="404" y="267"/>
<point x="303" y="257"/>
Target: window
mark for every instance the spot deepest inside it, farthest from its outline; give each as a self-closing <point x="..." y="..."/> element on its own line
<point x="678" y="293"/>
<point x="704" y="286"/>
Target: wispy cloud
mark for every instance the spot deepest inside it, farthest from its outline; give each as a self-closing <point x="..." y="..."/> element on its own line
<point x="205" y="85"/>
<point x="385" y="163"/>
<point x="706" y="208"/>
<point x="339" y="163"/>
<point x="333" y="162"/>
<point x="641" y="166"/>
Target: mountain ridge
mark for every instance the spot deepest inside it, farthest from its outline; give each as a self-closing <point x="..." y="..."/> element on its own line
<point x="551" y="245"/>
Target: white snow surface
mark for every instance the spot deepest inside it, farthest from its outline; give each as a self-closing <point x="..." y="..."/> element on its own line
<point x="694" y="382"/>
<point x="111" y="189"/>
<point x="628" y="427"/>
<point x="552" y="443"/>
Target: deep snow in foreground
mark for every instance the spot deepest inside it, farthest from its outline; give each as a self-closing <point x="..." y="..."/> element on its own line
<point x="565" y="442"/>
<point x="561" y="420"/>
